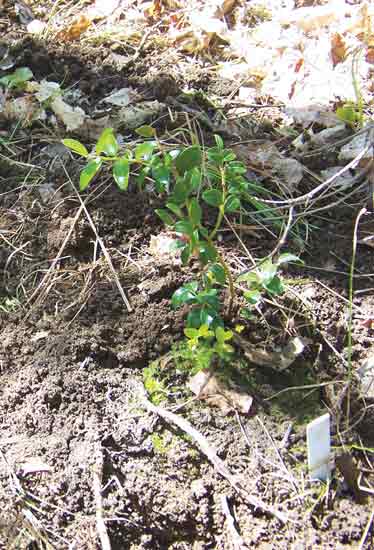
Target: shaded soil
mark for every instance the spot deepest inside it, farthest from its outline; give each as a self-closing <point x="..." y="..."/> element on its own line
<point x="72" y="359"/>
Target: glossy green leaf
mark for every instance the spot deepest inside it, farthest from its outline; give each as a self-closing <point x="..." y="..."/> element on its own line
<point x="195" y="211"/>
<point x="253" y="296"/>
<point x="287" y="258"/>
<point x="275" y="286"/>
<point x="250" y="277"/>
<point x="213" y="197"/>
<point x="88" y="173"/>
<point x="180" y="192"/>
<point x="76" y="146"/>
<point x="185" y="227"/>
<point x="146" y="131"/>
<point x="121" y="172"/>
<point x="144" y="150"/>
<point x="218" y="273"/>
<point x="161" y="175"/>
<point x="232" y="204"/>
<point x="165" y="216"/>
<point x="107" y="143"/>
<point x="175" y="209"/>
<point x="267" y="271"/>
<point x="207" y="253"/>
<point x="189" y="158"/>
<point x="184" y="295"/>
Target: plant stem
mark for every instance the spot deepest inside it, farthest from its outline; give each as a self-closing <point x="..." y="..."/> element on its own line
<point x="221" y="211"/>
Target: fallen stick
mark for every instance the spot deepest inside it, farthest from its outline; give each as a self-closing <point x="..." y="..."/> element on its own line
<point x="211" y="454"/>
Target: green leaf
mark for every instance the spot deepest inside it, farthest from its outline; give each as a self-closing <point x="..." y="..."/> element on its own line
<point x="207" y="253"/>
<point x="228" y="155"/>
<point x="88" y="173"/>
<point x="107" y="143"/>
<point x="213" y="197"/>
<point x="195" y="211"/>
<point x="275" y="286"/>
<point x="180" y="192"/>
<point x="287" y="258"/>
<point x="185" y="227"/>
<point x="223" y="335"/>
<point x="165" y="216"/>
<point x="161" y="175"/>
<point x="183" y="295"/>
<point x="204" y="332"/>
<point x="191" y="332"/>
<point x="121" y="172"/>
<point x="140" y="178"/>
<point x="267" y="272"/>
<point x="253" y="296"/>
<point x="22" y="74"/>
<point x="146" y="131"/>
<point x="18" y="78"/>
<point x="175" y="209"/>
<point x="232" y="204"/>
<point x="219" y="141"/>
<point x="76" y="146"/>
<point x="208" y="297"/>
<point x="189" y="158"/>
<point x="251" y="278"/>
<point x="144" y="150"/>
<point x="218" y="273"/>
<point x="185" y="254"/>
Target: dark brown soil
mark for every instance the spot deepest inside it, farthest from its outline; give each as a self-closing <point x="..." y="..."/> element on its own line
<point x="72" y="359"/>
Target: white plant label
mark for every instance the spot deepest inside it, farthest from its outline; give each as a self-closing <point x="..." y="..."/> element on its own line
<point x="319" y="448"/>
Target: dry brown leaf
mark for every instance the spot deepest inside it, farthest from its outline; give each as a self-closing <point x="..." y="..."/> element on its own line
<point x="338" y="49"/>
<point x="205" y="385"/>
<point x="75" y="30"/>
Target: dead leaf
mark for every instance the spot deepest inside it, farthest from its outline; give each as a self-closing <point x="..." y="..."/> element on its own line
<point x="122" y="97"/>
<point x="277" y="360"/>
<point x="207" y="386"/>
<point x="338" y="49"/>
<point x="74" y="31"/>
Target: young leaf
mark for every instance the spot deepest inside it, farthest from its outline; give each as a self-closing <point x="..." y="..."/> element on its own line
<point x="218" y="273"/>
<point x="286" y="258"/>
<point x="189" y="158"/>
<point x="88" y="173"/>
<point x="144" y="150"/>
<point x="232" y="204"/>
<point x="107" y="143"/>
<point x="213" y="197"/>
<point x="275" y="286"/>
<point x="253" y="296"/>
<point x="121" y="172"/>
<point x="219" y="141"/>
<point x="165" y="216"/>
<point x="191" y="333"/>
<point x="267" y="272"/>
<point x="146" y="131"/>
<point x="195" y="212"/>
<point x="76" y="146"/>
<point x="223" y="335"/>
